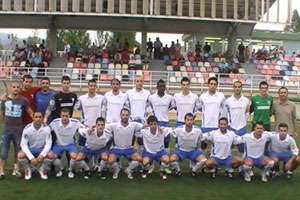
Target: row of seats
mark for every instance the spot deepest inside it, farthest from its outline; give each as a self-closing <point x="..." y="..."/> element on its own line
<point x="105" y="66"/>
<point x="199" y="69"/>
<point x="277" y="62"/>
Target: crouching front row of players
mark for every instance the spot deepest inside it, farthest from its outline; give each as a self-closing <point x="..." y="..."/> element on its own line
<point x="110" y="142"/>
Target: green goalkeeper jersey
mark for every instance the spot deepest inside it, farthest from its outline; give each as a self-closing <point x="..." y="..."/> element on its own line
<point x="261" y="106"/>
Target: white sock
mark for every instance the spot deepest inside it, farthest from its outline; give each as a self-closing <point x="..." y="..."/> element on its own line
<point x="133" y="164"/>
<point x="199" y="165"/>
<point x="83" y="165"/>
<point x="175" y="165"/>
<point x="163" y="166"/>
<point x="24" y="162"/>
<point x="247" y="168"/>
<point x="115" y="166"/>
<point x="103" y="165"/>
<point x="72" y="164"/>
<point x="45" y="164"/>
<point x="57" y="163"/>
<point x="269" y="165"/>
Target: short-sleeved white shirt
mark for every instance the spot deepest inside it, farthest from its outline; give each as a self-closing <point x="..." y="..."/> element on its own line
<point x="114" y="105"/>
<point x="254" y="147"/>
<point x="279" y="146"/>
<point x="187" y="141"/>
<point x="161" y="106"/>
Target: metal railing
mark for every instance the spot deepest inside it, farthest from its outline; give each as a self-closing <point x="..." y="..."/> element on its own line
<point x="241" y="10"/>
<point x="80" y="82"/>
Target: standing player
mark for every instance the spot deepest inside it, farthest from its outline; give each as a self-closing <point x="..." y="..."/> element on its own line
<point x="28" y="92"/>
<point x="284" y="148"/>
<point x="187" y="140"/>
<point x="114" y="101"/>
<point x="123" y="134"/>
<point x="13" y="108"/>
<point x="153" y="141"/>
<point x="95" y="146"/>
<point x="64" y="129"/>
<point x="184" y="102"/>
<point x="137" y="103"/>
<point x="63" y="99"/>
<point x="36" y="142"/>
<point x="43" y="96"/>
<point x="261" y="105"/>
<point x="212" y="107"/>
<point x="255" y="143"/>
<point x="237" y="107"/>
<point x="222" y="140"/>
<point x="285" y="112"/>
<point x="161" y="103"/>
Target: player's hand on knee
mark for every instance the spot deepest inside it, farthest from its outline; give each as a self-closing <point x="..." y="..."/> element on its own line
<point x="40" y="159"/>
<point x="33" y="161"/>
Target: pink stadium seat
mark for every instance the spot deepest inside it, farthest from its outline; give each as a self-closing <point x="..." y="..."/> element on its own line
<point x="83" y="65"/>
<point x="262" y="62"/>
<point x="231" y="75"/>
<point x="264" y="72"/>
<point x="273" y="62"/>
<point x="271" y="67"/>
<point x="110" y="77"/>
<point x="209" y="69"/>
<point x="174" y="63"/>
<point x="271" y="82"/>
<point x="228" y="81"/>
<point x="147" y="78"/>
<point x="5" y="69"/>
<point x="2" y="75"/>
<point x="191" y="58"/>
<point x="146" y="73"/>
<point x="269" y="72"/>
<point x="77" y="65"/>
<point x="205" y="75"/>
<point x="206" y="80"/>
<point x="276" y="72"/>
<point x="213" y="64"/>
<point x="103" y="77"/>
<point x="16" y="64"/>
<point x="189" y="69"/>
<point x="259" y="67"/>
<point x="268" y="77"/>
<point x="105" y="55"/>
<point x="238" y="76"/>
<point x="71" y="59"/>
<point x="243" y="81"/>
<point x="191" y="74"/>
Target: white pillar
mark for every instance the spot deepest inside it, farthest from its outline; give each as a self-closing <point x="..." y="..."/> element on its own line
<point x="52" y="5"/>
<point x="6" y="5"/>
<point x="41" y="5"/>
<point x="29" y="5"/>
<point x="87" y="5"/>
<point x="64" y="5"/>
<point x="75" y="5"/>
<point x="17" y="5"/>
<point x="99" y="6"/>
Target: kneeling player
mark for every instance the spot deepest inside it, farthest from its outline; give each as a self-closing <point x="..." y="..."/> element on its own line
<point x="95" y="146"/>
<point x="153" y="141"/>
<point x="284" y="148"/>
<point x="222" y="140"/>
<point x="123" y="134"/>
<point x="187" y="138"/>
<point x="255" y="144"/>
<point x="35" y="144"/>
<point x="64" y="129"/>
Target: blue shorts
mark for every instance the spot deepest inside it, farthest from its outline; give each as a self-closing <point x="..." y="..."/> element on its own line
<point x="240" y="132"/>
<point x="257" y="161"/>
<point x="192" y="155"/>
<point x="127" y="153"/>
<point x="164" y="124"/>
<point x="35" y="151"/>
<point x="223" y="162"/>
<point x="179" y="124"/>
<point x="89" y="153"/>
<point x="156" y="156"/>
<point x="206" y="130"/>
<point x="284" y="156"/>
<point x="58" y="150"/>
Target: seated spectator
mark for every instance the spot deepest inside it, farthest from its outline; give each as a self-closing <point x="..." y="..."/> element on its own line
<point x="125" y="57"/>
<point x="19" y="55"/>
<point x="118" y="57"/>
<point x="137" y="50"/>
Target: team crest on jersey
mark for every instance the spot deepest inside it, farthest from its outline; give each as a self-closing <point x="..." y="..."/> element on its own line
<point x="73" y="99"/>
<point x="51" y="102"/>
<point x="26" y="136"/>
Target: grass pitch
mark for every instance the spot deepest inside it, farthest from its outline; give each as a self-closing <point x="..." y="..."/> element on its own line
<point x="152" y="188"/>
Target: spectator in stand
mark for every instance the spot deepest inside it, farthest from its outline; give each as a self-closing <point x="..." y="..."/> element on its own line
<point x="177" y="45"/>
<point x="198" y="47"/>
<point x="137" y="50"/>
<point x="19" y="55"/>
<point x="67" y="49"/>
<point x="157" y="48"/>
<point x="118" y="57"/>
<point x="117" y="45"/>
<point x="126" y="45"/>
<point x="166" y="51"/>
<point x="241" y="49"/>
<point x="247" y="54"/>
<point x="149" y="48"/>
<point x="125" y="57"/>
<point x="172" y="51"/>
<point x="229" y="56"/>
<point x="206" y="48"/>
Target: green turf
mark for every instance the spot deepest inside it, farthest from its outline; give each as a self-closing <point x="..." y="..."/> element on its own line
<point x="181" y="188"/>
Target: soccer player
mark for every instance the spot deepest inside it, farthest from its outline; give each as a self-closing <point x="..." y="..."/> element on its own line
<point x="255" y="143"/>
<point x="95" y="146"/>
<point x="123" y="133"/>
<point x="222" y="140"/>
<point x="261" y="106"/>
<point x="161" y="103"/>
<point x="114" y="101"/>
<point x="137" y="102"/>
<point x="13" y="108"/>
<point x="285" y="112"/>
<point x="283" y="148"/>
<point x="187" y="138"/>
<point x="90" y="106"/>
<point x="36" y="142"/>
<point x="28" y="92"/>
<point x="237" y="108"/>
<point x="184" y="102"/>
<point x="212" y="107"/>
<point x="43" y="96"/>
<point x="63" y="99"/>
<point x="64" y="129"/>
<point x="153" y="141"/>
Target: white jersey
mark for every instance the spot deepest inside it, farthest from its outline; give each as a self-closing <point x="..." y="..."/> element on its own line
<point x="65" y="135"/>
<point x="161" y="106"/>
<point x="187" y="141"/>
<point x="153" y="143"/>
<point x="222" y="142"/>
<point x="114" y="105"/>
<point x="93" y="141"/>
<point x="212" y="108"/>
<point x="236" y="111"/>
<point x="91" y="108"/>
<point x="255" y="148"/>
<point x="279" y="146"/>
<point x="32" y="138"/>
<point x="123" y="135"/>
<point x="185" y="104"/>
<point x="137" y="103"/>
